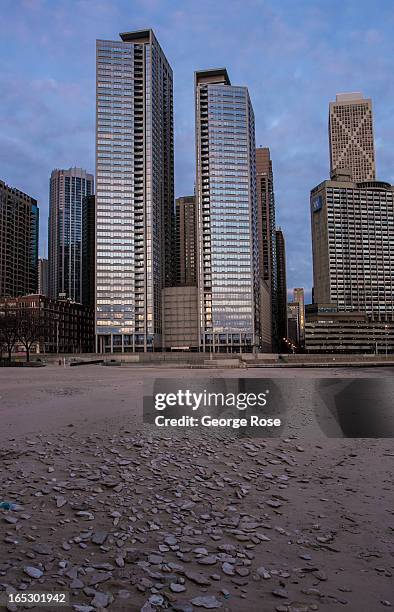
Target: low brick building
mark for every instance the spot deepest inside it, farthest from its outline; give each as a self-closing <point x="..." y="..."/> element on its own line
<point x="65" y="326"/>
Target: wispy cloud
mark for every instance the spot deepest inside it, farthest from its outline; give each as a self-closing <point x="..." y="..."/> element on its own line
<point x="294" y="57"/>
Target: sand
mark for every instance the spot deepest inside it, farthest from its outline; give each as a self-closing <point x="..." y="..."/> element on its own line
<point x="126" y="517"/>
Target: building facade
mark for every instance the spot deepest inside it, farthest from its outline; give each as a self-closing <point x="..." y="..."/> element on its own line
<point x="43" y="287"/>
<point x="267" y="247"/>
<point x="89" y="250"/>
<point x="293" y="326"/>
<point x="180" y="318"/>
<point x="186" y="241"/>
<point x="135" y="191"/>
<point x="19" y="228"/>
<point x="281" y="291"/>
<point x="64" y="326"/>
<point x="353" y="246"/>
<point x="299" y="298"/>
<point x="228" y="261"/>
<point x="328" y="330"/>
<point x="351" y="136"/>
<point x="67" y="189"/>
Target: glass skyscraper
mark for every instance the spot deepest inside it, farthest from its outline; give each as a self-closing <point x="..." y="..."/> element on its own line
<point x="67" y="189"/>
<point x="228" y="261"/>
<point x="19" y="223"/>
<point x="135" y="191"/>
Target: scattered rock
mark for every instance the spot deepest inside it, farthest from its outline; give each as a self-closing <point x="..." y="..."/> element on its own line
<point x="206" y="601"/>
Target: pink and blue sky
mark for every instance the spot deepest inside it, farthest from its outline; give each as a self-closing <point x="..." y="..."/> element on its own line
<point x="294" y="55"/>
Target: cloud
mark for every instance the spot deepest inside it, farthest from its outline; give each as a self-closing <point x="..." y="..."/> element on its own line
<point x="293" y="56"/>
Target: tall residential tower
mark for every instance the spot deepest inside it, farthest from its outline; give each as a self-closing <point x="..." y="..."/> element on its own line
<point x="19" y="222"/>
<point x="67" y="189"/>
<point x="135" y="191"/>
<point x="185" y="241"/>
<point x="281" y="291"/>
<point x="267" y="247"/>
<point x="228" y="261"/>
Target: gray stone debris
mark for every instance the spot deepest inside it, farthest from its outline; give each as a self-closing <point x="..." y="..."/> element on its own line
<point x="206" y="601"/>
<point x="33" y="572"/>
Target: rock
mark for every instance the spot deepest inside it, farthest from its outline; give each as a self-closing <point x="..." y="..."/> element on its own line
<point x="60" y="501"/>
<point x="82" y="608"/>
<point x="197" y="578"/>
<point x="155" y="559"/>
<point x="85" y="515"/>
<point x="171" y="540"/>
<point x="280" y="593"/>
<point x="33" y="572"/>
<point x="206" y="601"/>
<point x="228" y="569"/>
<point x="101" y="600"/>
<point x="99" y="537"/>
<point x="320" y="575"/>
<point x="273" y="503"/>
<point x="209" y="560"/>
<point x="261" y="571"/>
<point x="156" y="600"/>
<point x="99" y="577"/>
<point x="41" y="549"/>
<point x="132" y="555"/>
<point x="177" y="588"/>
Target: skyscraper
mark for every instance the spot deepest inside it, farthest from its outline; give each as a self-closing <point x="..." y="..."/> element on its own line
<point x="353" y="246"/>
<point x="299" y="298"/>
<point x="281" y="287"/>
<point x="19" y="225"/>
<point x="43" y="288"/>
<point x="267" y="246"/>
<point x="228" y="260"/>
<point x="351" y="136"/>
<point x="186" y="241"/>
<point x="293" y="325"/>
<point x="135" y="191"/>
<point x="88" y="250"/>
<point x="67" y="189"/>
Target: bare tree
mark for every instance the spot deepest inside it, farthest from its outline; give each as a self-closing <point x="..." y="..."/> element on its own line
<point x="8" y="329"/>
<point x="30" y="329"/>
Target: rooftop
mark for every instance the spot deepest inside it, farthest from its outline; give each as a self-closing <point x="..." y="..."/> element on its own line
<point x="348" y="97"/>
<point x="212" y="75"/>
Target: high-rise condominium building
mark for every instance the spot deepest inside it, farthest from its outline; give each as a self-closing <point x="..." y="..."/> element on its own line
<point x="19" y="226"/>
<point x="293" y="325"/>
<point x="299" y="298"/>
<point x="43" y="288"/>
<point x="88" y="250"/>
<point x="281" y="291"/>
<point x="186" y="241"/>
<point x="267" y="246"/>
<point x="67" y="189"/>
<point x="135" y="193"/>
<point x="353" y="246"/>
<point x="351" y="136"/>
<point x="228" y="262"/>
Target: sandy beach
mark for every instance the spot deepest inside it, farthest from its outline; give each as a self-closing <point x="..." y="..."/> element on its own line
<point x="125" y="517"/>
